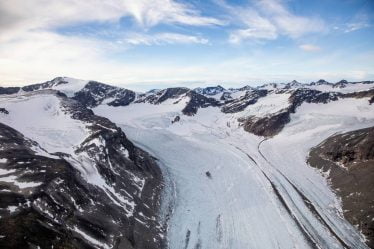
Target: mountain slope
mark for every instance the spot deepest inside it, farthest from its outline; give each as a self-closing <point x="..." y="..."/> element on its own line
<point x="74" y="177"/>
<point x="347" y="160"/>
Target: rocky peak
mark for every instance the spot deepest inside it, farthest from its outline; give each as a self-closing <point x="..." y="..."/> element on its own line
<point x="171" y="93"/>
<point x="320" y="82"/>
<point x="211" y="90"/>
<point x="95" y="93"/>
<point x="340" y="84"/>
<point x="46" y="85"/>
<point x="239" y="104"/>
<point x="198" y="101"/>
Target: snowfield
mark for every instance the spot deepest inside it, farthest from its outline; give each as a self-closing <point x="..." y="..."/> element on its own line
<point x="272" y="103"/>
<point x="231" y="189"/>
<point x="41" y="118"/>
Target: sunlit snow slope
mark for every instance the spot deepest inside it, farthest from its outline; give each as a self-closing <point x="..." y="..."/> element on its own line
<point x="231" y="189"/>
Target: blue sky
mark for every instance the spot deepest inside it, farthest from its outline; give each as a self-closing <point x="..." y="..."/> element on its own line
<point x="144" y="44"/>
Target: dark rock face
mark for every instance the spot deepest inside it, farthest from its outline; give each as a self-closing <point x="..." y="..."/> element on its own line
<point x="198" y="101"/>
<point x="46" y="85"/>
<point x="359" y="95"/>
<point x="293" y="84"/>
<point x="340" y="85"/>
<point x="57" y="206"/>
<point x="94" y="93"/>
<point x="159" y="96"/>
<point x="240" y="104"/>
<point x="176" y="119"/>
<point x="267" y="126"/>
<point x="9" y="90"/>
<point x="320" y="82"/>
<point x="171" y="93"/>
<point x="302" y="95"/>
<point x="225" y="96"/>
<point x="3" y="110"/>
<point x="211" y="90"/>
<point x="349" y="160"/>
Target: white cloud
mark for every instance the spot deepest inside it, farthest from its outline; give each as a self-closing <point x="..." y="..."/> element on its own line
<point x="151" y="12"/>
<point x="309" y="47"/>
<point x="163" y="38"/>
<point x="267" y="19"/>
<point x="31" y="51"/>
<point x="37" y="13"/>
<point x="258" y="28"/>
<point x="18" y="16"/>
<point x="359" y="21"/>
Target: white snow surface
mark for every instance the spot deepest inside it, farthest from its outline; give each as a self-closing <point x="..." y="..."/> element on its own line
<point x="73" y="86"/>
<point x="41" y="118"/>
<point x="270" y="104"/>
<point x="236" y="206"/>
<point x="350" y="87"/>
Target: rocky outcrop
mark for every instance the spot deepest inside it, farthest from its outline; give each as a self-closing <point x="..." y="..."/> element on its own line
<point x="320" y="82"/>
<point x="340" y="84"/>
<point x="347" y="160"/>
<point x="160" y="96"/>
<point x="211" y="90"/>
<point x="225" y="96"/>
<point x="95" y="93"/>
<point x="359" y="95"/>
<point x="171" y="93"/>
<point x="293" y="84"/>
<point x="241" y="103"/>
<point x="198" y="101"/>
<point x="3" y="110"/>
<point x="104" y="195"/>
<point x="267" y="126"/>
<point x="9" y="90"/>
<point x="176" y="119"/>
<point x="46" y="85"/>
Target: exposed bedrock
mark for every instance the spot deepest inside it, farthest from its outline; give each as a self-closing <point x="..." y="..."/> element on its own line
<point x="104" y="195"/>
<point x="347" y="160"/>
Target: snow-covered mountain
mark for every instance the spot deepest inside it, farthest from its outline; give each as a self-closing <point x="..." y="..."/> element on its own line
<point x="70" y="179"/>
<point x="92" y="165"/>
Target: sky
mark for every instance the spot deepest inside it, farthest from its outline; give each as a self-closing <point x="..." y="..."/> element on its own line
<point x="143" y="44"/>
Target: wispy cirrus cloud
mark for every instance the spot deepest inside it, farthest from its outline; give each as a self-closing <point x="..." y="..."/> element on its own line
<point x="269" y="19"/>
<point x="152" y="12"/>
<point x="147" y="13"/>
<point x="359" y="21"/>
<point x="162" y="38"/>
<point x="257" y="27"/>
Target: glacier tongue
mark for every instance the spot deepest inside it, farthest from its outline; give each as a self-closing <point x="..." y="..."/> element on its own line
<point x="231" y="189"/>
